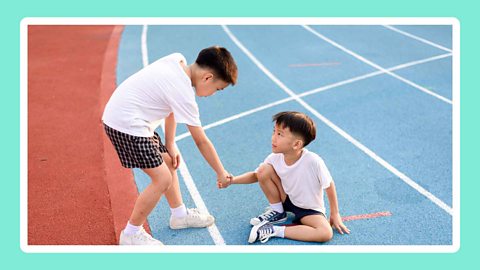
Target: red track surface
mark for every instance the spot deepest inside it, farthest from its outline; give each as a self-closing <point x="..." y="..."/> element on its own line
<point x="77" y="191"/>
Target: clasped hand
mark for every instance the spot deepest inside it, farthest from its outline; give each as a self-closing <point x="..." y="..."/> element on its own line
<point x="225" y="180"/>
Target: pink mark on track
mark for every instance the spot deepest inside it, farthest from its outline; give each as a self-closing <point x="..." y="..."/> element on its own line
<point x="315" y="64"/>
<point x="367" y="216"/>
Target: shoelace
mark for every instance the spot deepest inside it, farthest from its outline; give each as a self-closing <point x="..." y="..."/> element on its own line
<point x="194" y="212"/>
<point x="265" y="232"/>
<point x="265" y="216"/>
<point x="144" y="235"/>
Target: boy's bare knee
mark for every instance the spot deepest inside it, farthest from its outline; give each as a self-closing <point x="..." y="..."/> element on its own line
<point x="324" y="234"/>
<point x="264" y="172"/>
<point x="162" y="183"/>
<point x="160" y="177"/>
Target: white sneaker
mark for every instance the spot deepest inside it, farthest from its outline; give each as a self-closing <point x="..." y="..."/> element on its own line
<point x="139" y="238"/>
<point x="261" y="232"/>
<point x="194" y="219"/>
<point x="271" y="216"/>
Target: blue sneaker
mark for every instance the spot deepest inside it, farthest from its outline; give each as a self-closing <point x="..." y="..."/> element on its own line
<point x="261" y="232"/>
<point x="271" y="216"/>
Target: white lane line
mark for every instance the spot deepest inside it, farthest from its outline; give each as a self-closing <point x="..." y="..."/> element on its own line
<point x="375" y="73"/>
<point x="187" y="177"/>
<point x="324" y="64"/>
<point x="144" y="45"/>
<point x="313" y="91"/>
<point x="197" y="198"/>
<point x="417" y="38"/>
<point x="368" y="62"/>
<point x="337" y="129"/>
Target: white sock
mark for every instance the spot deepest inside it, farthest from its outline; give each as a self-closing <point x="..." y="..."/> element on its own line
<point x="279" y="231"/>
<point x="179" y="212"/>
<point x="131" y="229"/>
<point x="277" y="207"/>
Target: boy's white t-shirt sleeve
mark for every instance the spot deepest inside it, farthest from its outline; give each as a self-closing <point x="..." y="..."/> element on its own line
<point x="186" y="113"/>
<point x="323" y="173"/>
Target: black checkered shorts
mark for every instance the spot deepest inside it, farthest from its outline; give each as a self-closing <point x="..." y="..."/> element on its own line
<point x="137" y="152"/>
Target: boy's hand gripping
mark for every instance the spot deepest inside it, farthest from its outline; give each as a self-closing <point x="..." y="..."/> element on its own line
<point x="225" y="181"/>
<point x="173" y="153"/>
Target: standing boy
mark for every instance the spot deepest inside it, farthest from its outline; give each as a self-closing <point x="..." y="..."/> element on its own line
<point x="293" y="179"/>
<point x="166" y="90"/>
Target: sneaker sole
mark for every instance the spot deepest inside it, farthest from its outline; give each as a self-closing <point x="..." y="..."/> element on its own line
<point x="253" y="233"/>
<point x="255" y="222"/>
<point x="187" y="226"/>
<point x="130" y="244"/>
<point x="122" y="242"/>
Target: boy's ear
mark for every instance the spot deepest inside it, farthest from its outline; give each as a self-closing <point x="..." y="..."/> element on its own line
<point x="298" y="144"/>
<point x="207" y="76"/>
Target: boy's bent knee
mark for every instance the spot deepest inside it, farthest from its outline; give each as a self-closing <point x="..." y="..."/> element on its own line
<point x="328" y="235"/>
<point x="323" y="231"/>
<point x="160" y="177"/>
<point x="324" y="234"/>
<point x="163" y="183"/>
<point x="264" y="172"/>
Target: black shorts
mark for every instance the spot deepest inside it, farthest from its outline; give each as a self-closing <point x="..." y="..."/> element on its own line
<point x="137" y="152"/>
<point x="299" y="212"/>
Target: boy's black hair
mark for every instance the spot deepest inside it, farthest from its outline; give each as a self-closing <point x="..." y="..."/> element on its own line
<point x="220" y="61"/>
<point x="298" y="123"/>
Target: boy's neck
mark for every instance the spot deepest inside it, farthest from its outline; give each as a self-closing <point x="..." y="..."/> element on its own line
<point x="292" y="157"/>
<point x="189" y="70"/>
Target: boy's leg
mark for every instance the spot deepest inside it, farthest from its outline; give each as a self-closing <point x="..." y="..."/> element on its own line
<point x="173" y="194"/>
<point x="272" y="188"/>
<point x="270" y="184"/>
<point x="182" y="217"/>
<point x="161" y="179"/>
<point x="314" y="228"/>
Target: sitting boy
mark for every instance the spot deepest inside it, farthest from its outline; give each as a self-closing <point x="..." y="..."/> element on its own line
<point x="293" y="179"/>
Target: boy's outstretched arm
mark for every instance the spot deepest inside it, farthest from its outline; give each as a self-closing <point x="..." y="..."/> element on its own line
<point x="246" y="178"/>
<point x="170" y="128"/>
<point x="209" y="153"/>
<point x="335" y="218"/>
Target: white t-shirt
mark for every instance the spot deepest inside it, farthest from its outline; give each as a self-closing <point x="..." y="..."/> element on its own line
<point x="139" y="104"/>
<point x="303" y="181"/>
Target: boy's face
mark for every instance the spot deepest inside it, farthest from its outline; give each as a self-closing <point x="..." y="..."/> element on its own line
<point x="284" y="141"/>
<point x="209" y="85"/>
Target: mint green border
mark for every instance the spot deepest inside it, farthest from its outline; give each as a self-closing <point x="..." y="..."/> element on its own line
<point x="11" y="15"/>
